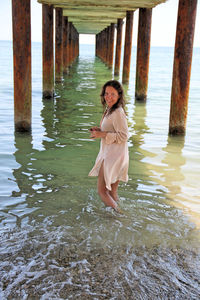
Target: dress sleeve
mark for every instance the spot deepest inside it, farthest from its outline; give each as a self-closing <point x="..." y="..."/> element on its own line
<point x="120" y="134"/>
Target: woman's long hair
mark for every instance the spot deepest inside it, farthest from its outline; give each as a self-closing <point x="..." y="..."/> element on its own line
<point x="121" y="101"/>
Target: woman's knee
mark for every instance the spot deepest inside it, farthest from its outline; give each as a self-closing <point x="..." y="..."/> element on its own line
<point x="102" y="191"/>
<point x="112" y="193"/>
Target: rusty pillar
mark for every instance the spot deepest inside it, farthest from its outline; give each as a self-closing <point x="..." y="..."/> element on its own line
<point x="75" y="43"/>
<point x="118" y="46"/>
<point x="47" y="51"/>
<point x="21" y="21"/>
<point x="182" y="66"/>
<point x="70" y="44"/>
<point x="104" y="45"/>
<point x="111" y="45"/>
<point x="127" y="46"/>
<point x="100" y="46"/>
<point x="78" y="44"/>
<point x="108" y="45"/>
<point x="143" y="53"/>
<point x="65" y="44"/>
<point x="68" y="51"/>
<point x="59" y="46"/>
<point x="96" y="45"/>
<point x="99" y="50"/>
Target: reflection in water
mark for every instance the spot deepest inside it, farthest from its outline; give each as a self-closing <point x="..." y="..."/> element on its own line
<point x="59" y="241"/>
<point x="173" y="161"/>
<point x="174" y="179"/>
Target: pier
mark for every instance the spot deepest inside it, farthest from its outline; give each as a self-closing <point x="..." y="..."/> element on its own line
<point x="101" y="19"/>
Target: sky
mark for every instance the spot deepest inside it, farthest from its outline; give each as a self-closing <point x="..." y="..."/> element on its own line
<point x="163" y="30"/>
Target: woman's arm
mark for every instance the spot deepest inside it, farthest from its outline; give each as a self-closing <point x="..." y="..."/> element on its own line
<point x="98" y="134"/>
<point x="120" y="126"/>
<point x="95" y="128"/>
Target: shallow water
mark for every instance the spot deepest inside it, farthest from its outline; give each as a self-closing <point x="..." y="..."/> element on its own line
<point x="58" y="241"/>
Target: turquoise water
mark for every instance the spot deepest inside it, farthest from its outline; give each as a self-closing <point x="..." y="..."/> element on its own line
<point x="58" y="241"/>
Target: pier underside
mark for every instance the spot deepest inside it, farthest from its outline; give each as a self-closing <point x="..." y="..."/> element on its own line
<point x="92" y="16"/>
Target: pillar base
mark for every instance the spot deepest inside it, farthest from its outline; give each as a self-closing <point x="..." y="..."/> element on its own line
<point x="22" y="126"/>
<point x="48" y="95"/>
<point x="140" y="97"/>
<point x="66" y="71"/>
<point x="58" y="80"/>
<point x="125" y="80"/>
<point x="178" y="130"/>
<point x="116" y="73"/>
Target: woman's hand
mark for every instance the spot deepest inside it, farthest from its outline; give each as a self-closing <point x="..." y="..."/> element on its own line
<point x="95" y="128"/>
<point x="95" y="134"/>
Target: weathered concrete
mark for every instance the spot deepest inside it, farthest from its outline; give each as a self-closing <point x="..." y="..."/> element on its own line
<point x="182" y="66"/>
<point x="93" y="16"/>
<point x="127" y="46"/>
<point x="59" y="46"/>
<point x="143" y="53"/>
<point x="22" y="64"/>
<point x="118" y="46"/>
<point x="65" y="44"/>
<point x="70" y="44"/>
<point x="47" y="51"/>
<point x="111" y="45"/>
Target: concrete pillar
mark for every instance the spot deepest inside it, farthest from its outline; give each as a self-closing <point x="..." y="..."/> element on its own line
<point x="118" y="46"/>
<point x="96" y="45"/>
<point x="111" y="45"/>
<point x="103" y="42"/>
<point x="65" y="44"/>
<point x="47" y="51"/>
<point x="127" y="46"/>
<point x="102" y="47"/>
<point x="21" y="21"/>
<point x="182" y="66"/>
<point x="59" y="46"/>
<point x="70" y="44"/>
<point x="143" y="53"/>
<point x="77" y="43"/>
<point x="108" y="45"/>
<point x="99" y="44"/>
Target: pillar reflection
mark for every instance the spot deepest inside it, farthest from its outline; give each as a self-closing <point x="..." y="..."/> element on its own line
<point x="173" y="161"/>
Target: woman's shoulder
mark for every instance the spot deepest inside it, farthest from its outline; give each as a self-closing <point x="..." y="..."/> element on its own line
<point x="119" y="111"/>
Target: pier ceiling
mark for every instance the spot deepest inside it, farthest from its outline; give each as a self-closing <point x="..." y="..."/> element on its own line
<point x="92" y="16"/>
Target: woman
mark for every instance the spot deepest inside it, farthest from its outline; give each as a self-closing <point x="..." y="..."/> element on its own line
<point x="111" y="165"/>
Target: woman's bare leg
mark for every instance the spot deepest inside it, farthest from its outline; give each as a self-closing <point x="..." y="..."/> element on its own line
<point x="103" y="191"/>
<point x="113" y="192"/>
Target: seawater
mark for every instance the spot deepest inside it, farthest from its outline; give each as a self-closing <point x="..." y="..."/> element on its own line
<point x="58" y="241"/>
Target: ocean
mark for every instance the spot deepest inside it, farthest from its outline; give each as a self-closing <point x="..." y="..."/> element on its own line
<point x="58" y="240"/>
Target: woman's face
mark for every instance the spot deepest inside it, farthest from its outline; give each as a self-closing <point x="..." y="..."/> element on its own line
<point x="111" y="96"/>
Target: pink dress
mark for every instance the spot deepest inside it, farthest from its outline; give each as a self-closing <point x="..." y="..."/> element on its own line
<point x="113" y="149"/>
